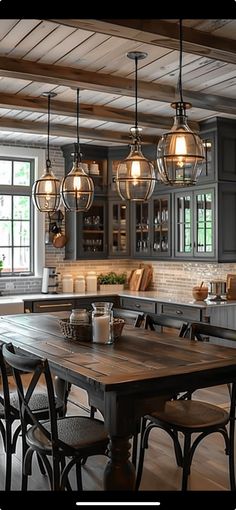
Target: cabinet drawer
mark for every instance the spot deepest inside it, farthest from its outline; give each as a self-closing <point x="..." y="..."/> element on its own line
<point x="138" y="304"/>
<point x="53" y="306"/>
<point x="87" y="302"/>
<point x="186" y="312"/>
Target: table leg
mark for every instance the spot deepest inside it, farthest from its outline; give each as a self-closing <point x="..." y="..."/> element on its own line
<point x="119" y="472"/>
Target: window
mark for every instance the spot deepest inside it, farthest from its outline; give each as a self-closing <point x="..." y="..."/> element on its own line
<point x="16" y="216"/>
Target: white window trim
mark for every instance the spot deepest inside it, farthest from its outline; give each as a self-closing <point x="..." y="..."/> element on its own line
<point x="39" y="218"/>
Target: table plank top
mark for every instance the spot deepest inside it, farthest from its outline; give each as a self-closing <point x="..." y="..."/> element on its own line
<point x="139" y="358"/>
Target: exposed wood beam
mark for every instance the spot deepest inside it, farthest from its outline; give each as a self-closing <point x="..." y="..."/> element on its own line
<point x="24" y="126"/>
<point x="71" y="77"/>
<point x="88" y="111"/>
<point x="161" y="33"/>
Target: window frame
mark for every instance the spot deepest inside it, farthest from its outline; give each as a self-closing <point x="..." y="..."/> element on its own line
<point x="37" y="228"/>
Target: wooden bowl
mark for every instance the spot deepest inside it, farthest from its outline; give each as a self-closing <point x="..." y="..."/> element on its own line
<point x="200" y="293"/>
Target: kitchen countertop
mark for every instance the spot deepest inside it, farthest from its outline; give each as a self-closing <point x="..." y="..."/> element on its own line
<point x="151" y="295"/>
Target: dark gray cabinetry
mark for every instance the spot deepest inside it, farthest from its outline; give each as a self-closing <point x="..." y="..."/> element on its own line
<point x="152" y="227"/>
<point x="87" y="232"/>
<point x="222" y="155"/>
<point x="195" y="223"/>
<point x="65" y="305"/>
<point x="119" y="228"/>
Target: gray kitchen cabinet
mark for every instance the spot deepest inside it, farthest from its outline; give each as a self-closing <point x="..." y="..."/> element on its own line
<point x="152" y="227"/>
<point x="221" y="132"/>
<point x="87" y="232"/>
<point x="118" y="228"/>
<point x="195" y="223"/>
<point x="49" y="305"/>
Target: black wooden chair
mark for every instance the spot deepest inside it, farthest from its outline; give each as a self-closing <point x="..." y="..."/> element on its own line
<point x="9" y="413"/>
<point x="193" y="416"/>
<point x="69" y="438"/>
<point x="154" y="322"/>
<point x="129" y="316"/>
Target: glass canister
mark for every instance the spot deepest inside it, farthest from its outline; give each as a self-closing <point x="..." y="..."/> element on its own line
<point x="91" y="281"/>
<point x="79" y="316"/>
<point x="67" y="283"/>
<point x="102" y="322"/>
<point x="80" y="283"/>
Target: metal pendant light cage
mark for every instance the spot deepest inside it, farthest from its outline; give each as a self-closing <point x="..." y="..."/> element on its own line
<point x="135" y="177"/>
<point x="77" y="188"/>
<point x="180" y="152"/>
<point x="46" y="189"/>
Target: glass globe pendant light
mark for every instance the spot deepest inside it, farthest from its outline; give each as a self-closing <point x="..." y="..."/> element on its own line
<point x="46" y="190"/>
<point x="180" y="152"/>
<point x="77" y="188"/>
<point x="135" y="177"/>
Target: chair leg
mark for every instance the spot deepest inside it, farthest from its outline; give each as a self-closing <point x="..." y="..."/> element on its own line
<point x="135" y="444"/>
<point x="141" y="453"/>
<point x="92" y="411"/>
<point x="231" y="454"/>
<point x="41" y="465"/>
<point x="79" y="476"/>
<point x="186" y="461"/>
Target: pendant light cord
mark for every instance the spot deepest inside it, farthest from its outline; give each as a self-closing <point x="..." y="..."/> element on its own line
<point x="180" y="59"/>
<point x="136" y="93"/>
<point x="77" y="145"/>
<point x="48" y="162"/>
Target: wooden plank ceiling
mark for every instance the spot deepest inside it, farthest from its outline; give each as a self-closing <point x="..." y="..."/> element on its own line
<point x="59" y="55"/>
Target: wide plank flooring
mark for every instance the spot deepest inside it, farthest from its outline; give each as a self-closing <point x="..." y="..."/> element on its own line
<point x="209" y="467"/>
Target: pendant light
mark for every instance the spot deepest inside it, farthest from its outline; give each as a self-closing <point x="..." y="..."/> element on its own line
<point x="77" y="187"/>
<point x="46" y="190"/>
<point x="180" y="152"/>
<point x="135" y="177"/>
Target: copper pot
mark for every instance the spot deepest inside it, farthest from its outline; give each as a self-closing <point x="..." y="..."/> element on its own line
<point x="59" y="240"/>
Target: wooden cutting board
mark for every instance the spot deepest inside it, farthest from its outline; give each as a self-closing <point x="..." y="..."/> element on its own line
<point x="136" y="278"/>
<point x="146" y="277"/>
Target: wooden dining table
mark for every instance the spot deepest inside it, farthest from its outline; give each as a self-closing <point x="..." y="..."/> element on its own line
<point x="125" y="380"/>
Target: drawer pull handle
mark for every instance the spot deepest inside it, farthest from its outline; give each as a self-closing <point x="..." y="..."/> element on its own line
<point x="137" y="306"/>
<point x="179" y="312"/>
<point x="55" y="306"/>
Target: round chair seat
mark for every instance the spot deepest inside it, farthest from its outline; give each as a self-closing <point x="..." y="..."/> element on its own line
<point x="78" y="432"/>
<point x="190" y="414"/>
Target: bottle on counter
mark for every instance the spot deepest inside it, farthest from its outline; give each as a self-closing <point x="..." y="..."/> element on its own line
<point x="91" y="281"/>
<point x="80" y="283"/>
<point x="79" y="316"/>
<point x="67" y="283"/>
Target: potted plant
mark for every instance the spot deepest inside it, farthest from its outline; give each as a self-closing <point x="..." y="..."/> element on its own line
<point x="112" y="282"/>
<point x="2" y="258"/>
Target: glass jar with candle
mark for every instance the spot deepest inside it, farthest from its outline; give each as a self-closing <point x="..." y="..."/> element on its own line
<point x="91" y="282"/>
<point x="102" y="321"/>
<point x="79" y="316"/>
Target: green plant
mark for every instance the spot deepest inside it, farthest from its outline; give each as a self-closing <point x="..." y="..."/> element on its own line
<point x="2" y="258"/>
<point x="111" y="278"/>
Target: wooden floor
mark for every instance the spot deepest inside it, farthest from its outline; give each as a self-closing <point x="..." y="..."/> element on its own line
<point x="209" y="467"/>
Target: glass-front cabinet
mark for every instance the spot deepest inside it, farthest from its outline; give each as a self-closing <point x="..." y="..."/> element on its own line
<point x="119" y="228"/>
<point x="161" y="213"/>
<point x="195" y="234"/>
<point x="93" y="231"/>
<point x="142" y="239"/>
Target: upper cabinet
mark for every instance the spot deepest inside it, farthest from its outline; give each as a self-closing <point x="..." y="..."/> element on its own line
<point x="220" y="137"/>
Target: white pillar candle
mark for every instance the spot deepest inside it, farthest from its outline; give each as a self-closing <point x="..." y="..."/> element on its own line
<point x="101" y="328"/>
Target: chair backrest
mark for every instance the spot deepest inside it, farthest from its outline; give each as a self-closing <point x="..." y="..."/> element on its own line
<point x="129" y="316"/>
<point x="152" y="320"/>
<point x="9" y="410"/>
<point x="199" y="329"/>
<point x="37" y="368"/>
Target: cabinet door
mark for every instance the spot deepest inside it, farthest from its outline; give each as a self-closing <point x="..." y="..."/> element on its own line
<point x="184" y="224"/>
<point x="204" y="243"/>
<point x="161" y="241"/>
<point x="209" y="170"/>
<point x="119" y="228"/>
<point x="91" y="235"/>
<point x="142" y="241"/>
